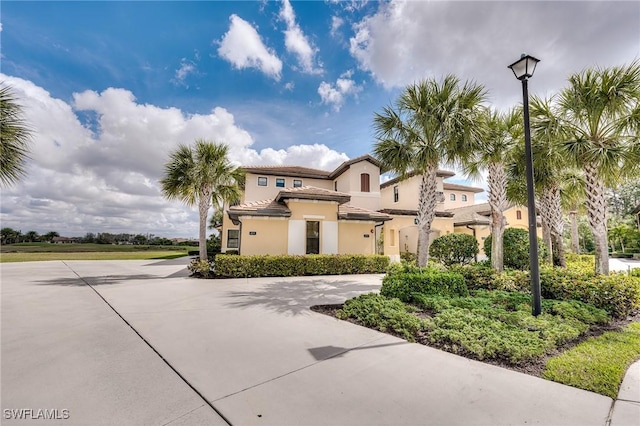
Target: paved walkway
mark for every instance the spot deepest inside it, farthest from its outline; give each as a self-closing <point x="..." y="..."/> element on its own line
<point x="133" y="342"/>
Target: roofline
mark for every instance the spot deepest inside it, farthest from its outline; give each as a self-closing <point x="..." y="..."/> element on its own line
<point x="339" y="198"/>
<point x="400" y="212"/>
<point x="275" y="171"/>
<point x="456" y="186"/>
<point x="345" y="166"/>
<point x="439" y="173"/>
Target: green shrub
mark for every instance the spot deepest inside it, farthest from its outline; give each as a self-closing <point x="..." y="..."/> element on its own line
<point x="635" y="272"/>
<point x="233" y="266"/>
<point x="403" y="284"/>
<point x="453" y="249"/>
<point x="515" y="248"/>
<point x="380" y="313"/>
<point x="201" y="268"/>
<point x="476" y="276"/>
<point x="409" y="257"/>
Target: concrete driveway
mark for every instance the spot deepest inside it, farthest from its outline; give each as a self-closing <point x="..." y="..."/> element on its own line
<point x="135" y="342"/>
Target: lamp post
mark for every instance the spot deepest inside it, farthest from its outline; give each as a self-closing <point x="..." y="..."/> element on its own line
<point x="523" y="69"/>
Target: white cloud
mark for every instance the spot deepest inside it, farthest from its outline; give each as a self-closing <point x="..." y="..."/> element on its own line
<point x="242" y="46"/>
<point x="186" y="68"/>
<point x="335" y="94"/>
<point x="336" y="23"/>
<point x="96" y="162"/>
<point x="404" y="41"/>
<point x="296" y="42"/>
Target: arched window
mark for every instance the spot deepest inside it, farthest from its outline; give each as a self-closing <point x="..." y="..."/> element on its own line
<point x="364" y="182"/>
<point x="452" y="197"/>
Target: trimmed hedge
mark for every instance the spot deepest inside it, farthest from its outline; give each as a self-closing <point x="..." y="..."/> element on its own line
<point x="403" y="284"/>
<point x="454" y="249"/>
<point x="234" y="266"/>
<point x="618" y="294"/>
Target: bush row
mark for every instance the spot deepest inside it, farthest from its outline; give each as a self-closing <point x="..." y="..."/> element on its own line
<point x="230" y="266"/>
<point x="404" y="282"/>
<point x="618" y="294"/>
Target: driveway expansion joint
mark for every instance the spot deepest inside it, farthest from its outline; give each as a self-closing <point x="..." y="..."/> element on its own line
<point x="167" y="363"/>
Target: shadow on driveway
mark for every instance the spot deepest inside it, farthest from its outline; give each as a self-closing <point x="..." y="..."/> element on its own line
<point x="295" y="297"/>
<point x="96" y="281"/>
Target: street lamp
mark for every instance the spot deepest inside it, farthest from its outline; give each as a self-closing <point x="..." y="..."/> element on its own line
<point x="523" y="69"/>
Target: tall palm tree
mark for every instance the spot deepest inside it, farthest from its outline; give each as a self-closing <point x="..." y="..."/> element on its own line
<point x="431" y="123"/>
<point x="503" y="132"/>
<point x="573" y="196"/>
<point x="202" y="175"/>
<point x="599" y="114"/>
<point x="15" y="138"/>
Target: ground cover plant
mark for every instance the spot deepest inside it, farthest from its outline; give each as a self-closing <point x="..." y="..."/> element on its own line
<point x="475" y="312"/>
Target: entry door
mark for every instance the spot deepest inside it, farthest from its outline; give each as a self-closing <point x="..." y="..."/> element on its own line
<point x="313" y="237"/>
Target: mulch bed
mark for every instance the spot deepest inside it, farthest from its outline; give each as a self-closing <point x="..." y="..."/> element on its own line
<point x="534" y="367"/>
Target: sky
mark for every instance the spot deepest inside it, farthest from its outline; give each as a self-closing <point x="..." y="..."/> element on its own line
<point x="111" y="88"/>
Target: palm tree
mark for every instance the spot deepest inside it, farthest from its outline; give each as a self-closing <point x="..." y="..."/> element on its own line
<point x="202" y="176"/>
<point x="503" y="132"/>
<point x="573" y="196"/>
<point x="15" y="137"/>
<point x="431" y="123"/>
<point x="599" y="116"/>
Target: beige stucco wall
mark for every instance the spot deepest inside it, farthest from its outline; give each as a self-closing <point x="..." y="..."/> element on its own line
<point x="313" y="209"/>
<point x="401" y="233"/>
<point x="253" y="192"/>
<point x="408" y="191"/>
<point x="349" y="182"/>
<point x="352" y="240"/>
<point x="270" y="236"/>
<point x="448" y="204"/>
<point x="226" y="225"/>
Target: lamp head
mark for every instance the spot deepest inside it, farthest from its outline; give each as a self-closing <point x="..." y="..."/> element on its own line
<point x="524" y="67"/>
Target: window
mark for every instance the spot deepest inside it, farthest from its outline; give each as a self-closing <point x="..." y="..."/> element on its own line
<point x="364" y="182"/>
<point x="518" y="214"/>
<point x="262" y="181"/>
<point x="280" y="182"/>
<point x="313" y="237"/>
<point x="396" y="195"/>
<point x="464" y="197"/>
<point x="335" y="186"/>
<point x="297" y="183"/>
<point x="233" y="238"/>
<point x="452" y="197"/>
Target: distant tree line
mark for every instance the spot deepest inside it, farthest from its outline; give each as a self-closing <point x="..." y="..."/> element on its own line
<point x="12" y="236"/>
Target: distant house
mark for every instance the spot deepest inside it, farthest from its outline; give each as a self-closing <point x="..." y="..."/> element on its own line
<point x="64" y="240"/>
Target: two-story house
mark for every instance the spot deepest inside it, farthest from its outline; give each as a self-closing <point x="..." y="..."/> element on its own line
<point x="298" y="210"/>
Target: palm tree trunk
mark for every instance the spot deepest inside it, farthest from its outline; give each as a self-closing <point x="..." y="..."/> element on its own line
<point x="597" y="215"/>
<point x="203" y="209"/>
<point x="545" y="218"/>
<point x="551" y="195"/>
<point x="497" y="182"/>
<point x="426" y="212"/>
<point x="575" y="236"/>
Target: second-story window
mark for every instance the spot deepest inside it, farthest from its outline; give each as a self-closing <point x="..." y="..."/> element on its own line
<point x="452" y="197"/>
<point x="396" y="195"/>
<point x="297" y="183"/>
<point x="280" y="182"/>
<point x="262" y="181"/>
<point x="364" y="182"/>
<point x="464" y="197"/>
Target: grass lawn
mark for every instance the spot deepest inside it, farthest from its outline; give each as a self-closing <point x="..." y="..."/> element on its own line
<point x="31" y="252"/>
<point x="598" y="364"/>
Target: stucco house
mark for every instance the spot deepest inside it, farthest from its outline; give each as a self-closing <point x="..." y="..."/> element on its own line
<point x="299" y="210"/>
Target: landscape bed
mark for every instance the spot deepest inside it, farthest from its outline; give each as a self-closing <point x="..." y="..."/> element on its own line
<point x="571" y="342"/>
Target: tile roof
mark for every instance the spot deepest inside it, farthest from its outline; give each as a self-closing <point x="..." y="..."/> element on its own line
<point x="400" y="212"/>
<point x="455" y="186"/>
<point x="293" y="171"/>
<point x="313" y="193"/>
<point x="440" y="173"/>
<point x="349" y="212"/>
<point x="269" y="208"/>
<point x="345" y="166"/>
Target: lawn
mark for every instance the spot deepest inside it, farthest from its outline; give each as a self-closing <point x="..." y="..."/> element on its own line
<point x="31" y="252"/>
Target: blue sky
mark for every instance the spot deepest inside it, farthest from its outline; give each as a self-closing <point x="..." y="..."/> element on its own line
<point x="110" y="88"/>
